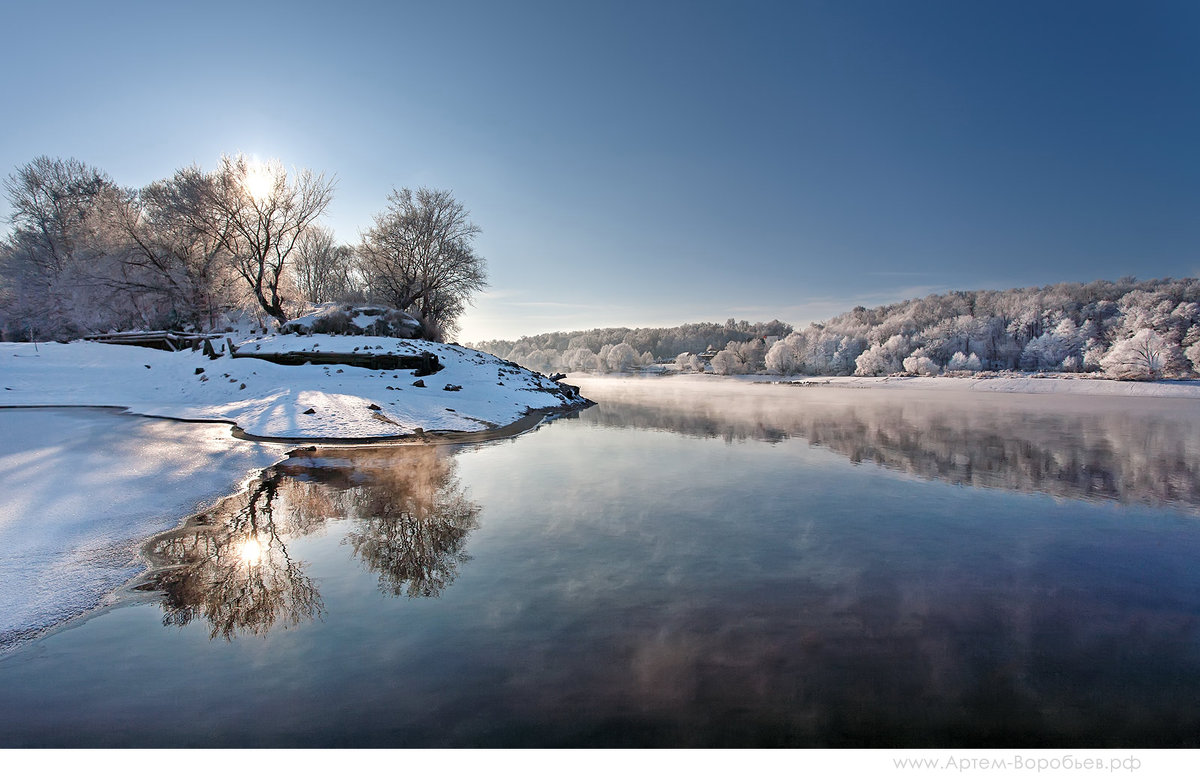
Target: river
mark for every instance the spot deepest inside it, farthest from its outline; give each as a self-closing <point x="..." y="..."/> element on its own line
<point x="744" y="566"/>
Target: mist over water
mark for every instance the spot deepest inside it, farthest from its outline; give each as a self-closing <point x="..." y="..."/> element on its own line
<point x="1108" y="448"/>
<point x="746" y="566"/>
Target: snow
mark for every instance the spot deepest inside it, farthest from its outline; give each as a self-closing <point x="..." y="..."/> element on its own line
<point x="361" y="316"/>
<point x="274" y="399"/>
<point x="82" y="489"/>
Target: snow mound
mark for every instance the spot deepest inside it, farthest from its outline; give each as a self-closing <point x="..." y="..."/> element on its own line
<point x="305" y="401"/>
<point x="341" y="319"/>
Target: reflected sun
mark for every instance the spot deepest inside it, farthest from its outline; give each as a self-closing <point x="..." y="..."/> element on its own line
<point x="250" y="550"/>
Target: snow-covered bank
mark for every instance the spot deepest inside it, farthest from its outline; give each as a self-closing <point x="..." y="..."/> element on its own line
<point x="1008" y="384"/>
<point x="475" y="392"/>
<point x="82" y="490"/>
<point x="1014" y="384"/>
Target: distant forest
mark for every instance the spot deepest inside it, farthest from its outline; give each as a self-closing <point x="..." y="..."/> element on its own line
<point x="1125" y="329"/>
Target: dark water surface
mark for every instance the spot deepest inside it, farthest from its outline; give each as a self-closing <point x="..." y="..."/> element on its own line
<point x="751" y="566"/>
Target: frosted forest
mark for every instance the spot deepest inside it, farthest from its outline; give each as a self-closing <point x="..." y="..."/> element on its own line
<point x="1126" y="329"/>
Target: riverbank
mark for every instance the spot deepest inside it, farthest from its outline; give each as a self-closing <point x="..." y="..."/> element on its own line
<point x="1060" y="384"/>
<point x="474" y="393"/>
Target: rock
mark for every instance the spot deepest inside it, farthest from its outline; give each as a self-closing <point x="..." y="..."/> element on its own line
<point x="199" y="370"/>
<point x="310" y="411"/>
<point x="419" y="383"/>
<point x="374" y="407"/>
<point x="243" y="386"/>
<point x="146" y="366"/>
<point x="451" y="388"/>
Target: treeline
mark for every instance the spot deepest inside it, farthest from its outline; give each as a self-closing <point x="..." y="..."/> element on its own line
<point x="621" y="348"/>
<point x="85" y="255"/>
<point x="1126" y="329"/>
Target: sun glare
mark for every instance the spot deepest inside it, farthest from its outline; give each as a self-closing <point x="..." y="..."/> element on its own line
<point x="259" y="180"/>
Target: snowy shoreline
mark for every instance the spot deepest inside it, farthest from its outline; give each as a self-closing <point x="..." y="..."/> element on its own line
<point x="1033" y="384"/>
<point x="475" y="396"/>
<point x="81" y="489"/>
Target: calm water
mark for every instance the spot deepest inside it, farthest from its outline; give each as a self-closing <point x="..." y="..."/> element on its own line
<point x="751" y="566"/>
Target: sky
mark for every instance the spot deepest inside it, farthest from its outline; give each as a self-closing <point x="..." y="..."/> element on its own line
<point x="653" y="163"/>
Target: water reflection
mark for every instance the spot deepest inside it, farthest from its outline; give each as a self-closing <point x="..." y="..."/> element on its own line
<point x="1139" y="450"/>
<point x="231" y="567"/>
<point x="412" y="517"/>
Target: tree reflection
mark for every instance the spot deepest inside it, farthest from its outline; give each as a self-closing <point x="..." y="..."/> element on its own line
<point x="1121" y="449"/>
<point x="413" y="521"/>
<point x="232" y="568"/>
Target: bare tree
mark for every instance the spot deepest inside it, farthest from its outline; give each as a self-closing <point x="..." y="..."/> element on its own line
<point x="258" y="212"/>
<point x="324" y="271"/>
<point x="176" y="252"/>
<point x="418" y="257"/>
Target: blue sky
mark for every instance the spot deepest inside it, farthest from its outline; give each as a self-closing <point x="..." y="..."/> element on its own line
<point x="659" y="162"/>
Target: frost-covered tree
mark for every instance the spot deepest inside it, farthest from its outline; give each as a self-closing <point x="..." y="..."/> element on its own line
<point x="726" y="362"/>
<point x="961" y="361"/>
<point x="883" y="358"/>
<point x="541" y="360"/>
<point x="60" y="248"/>
<point x="1144" y="355"/>
<point x="750" y="353"/>
<point x="419" y="256"/>
<point x="688" y="362"/>
<point x="325" y="271"/>
<point x="1193" y="355"/>
<point x="621" y="358"/>
<point x="1045" y="352"/>
<point x="177" y="254"/>
<point x="782" y="358"/>
<point x="259" y="211"/>
<point x="580" y="360"/>
<point x="920" y="363"/>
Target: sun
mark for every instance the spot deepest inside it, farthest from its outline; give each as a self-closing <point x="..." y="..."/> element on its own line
<point x="259" y="180"/>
